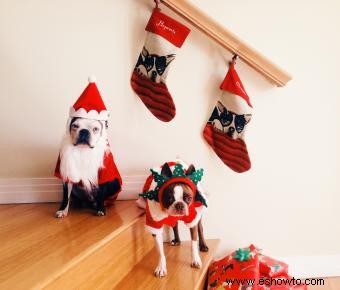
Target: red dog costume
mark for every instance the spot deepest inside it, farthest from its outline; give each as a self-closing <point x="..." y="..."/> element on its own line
<point x="91" y="106"/>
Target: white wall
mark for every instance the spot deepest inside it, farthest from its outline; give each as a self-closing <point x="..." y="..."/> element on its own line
<point x="288" y="203"/>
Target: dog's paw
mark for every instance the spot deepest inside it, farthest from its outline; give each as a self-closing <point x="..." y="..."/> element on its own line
<point x="160" y="271"/>
<point x="196" y="262"/>
<point x="100" y="213"/>
<point x="61" y="214"/>
<point x="203" y="248"/>
<point x="175" y="242"/>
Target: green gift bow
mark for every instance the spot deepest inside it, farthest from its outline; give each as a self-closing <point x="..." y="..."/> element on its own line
<point x="242" y="254"/>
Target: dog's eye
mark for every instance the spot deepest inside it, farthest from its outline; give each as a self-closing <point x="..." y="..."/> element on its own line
<point x="95" y="130"/>
<point x="74" y="126"/>
<point x="187" y="198"/>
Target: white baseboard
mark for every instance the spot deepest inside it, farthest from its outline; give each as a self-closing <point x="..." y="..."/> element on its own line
<point x="35" y="190"/>
<point x="313" y="266"/>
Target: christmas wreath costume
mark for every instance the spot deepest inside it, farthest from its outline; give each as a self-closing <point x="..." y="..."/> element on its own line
<point x="153" y="188"/>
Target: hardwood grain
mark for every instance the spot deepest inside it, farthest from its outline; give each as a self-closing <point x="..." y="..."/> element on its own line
<point x="180" y="275"/>
<point x="37" y="248"/>
<point x="108" y="265"/>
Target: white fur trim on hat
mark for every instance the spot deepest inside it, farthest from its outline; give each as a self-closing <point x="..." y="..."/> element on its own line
<point x="93" y="114"/>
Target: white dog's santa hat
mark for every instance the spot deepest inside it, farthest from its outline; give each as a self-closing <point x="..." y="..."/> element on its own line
<point x="91" y="106"/>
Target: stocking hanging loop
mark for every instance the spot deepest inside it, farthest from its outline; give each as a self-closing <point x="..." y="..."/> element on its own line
<point x="234" y="59"/>
<point x="157" y="2"/>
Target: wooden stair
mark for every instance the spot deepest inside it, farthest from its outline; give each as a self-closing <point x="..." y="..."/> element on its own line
<point x="82" y="251"/>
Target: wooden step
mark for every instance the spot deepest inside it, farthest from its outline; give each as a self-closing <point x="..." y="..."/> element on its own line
<point x="180" y="275"/>
<point x="39" y="251"/>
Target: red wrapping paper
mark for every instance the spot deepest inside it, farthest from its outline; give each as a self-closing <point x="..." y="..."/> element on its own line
<point x="271" y="267"/>
<point x="232" y="268"/>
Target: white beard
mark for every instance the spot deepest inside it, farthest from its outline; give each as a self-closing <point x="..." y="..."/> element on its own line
<point x="81" y="163"/>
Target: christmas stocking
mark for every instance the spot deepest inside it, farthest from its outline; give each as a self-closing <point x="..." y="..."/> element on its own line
<point x="225" y="129"/>
<point x="164" y="36"/>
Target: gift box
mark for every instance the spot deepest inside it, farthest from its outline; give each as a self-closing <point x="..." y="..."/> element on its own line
<point x="241" y="268"/>
<point x="271" y="267"/>
<point x="277" y="283"/>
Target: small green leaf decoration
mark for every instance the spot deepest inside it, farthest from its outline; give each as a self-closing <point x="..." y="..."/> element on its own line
<point x="196" y="176"/>
<point x="159" y="179"/>
<point x="151" y="195"/>
<point x="242" y="254"/>
<point x="178" y="170"/>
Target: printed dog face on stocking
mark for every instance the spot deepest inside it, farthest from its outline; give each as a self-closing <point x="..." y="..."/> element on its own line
<point x="85" y="132"/>
<point x="227" y="121"/>
<point x="153" y="66"/>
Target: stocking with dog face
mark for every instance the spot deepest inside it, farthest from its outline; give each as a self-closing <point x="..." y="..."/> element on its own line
<point x="226" y="127"/>
<point x="165" y="35"/>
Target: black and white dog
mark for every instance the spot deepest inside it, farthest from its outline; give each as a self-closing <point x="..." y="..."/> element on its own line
<point x="176" y="200"/>
<point x="84" y="156"/>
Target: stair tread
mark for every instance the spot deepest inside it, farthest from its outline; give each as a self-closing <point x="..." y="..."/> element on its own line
<point x="180" y="276"/>
<point x="36" y="248"/>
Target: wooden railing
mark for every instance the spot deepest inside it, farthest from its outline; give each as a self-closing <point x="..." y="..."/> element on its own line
<point x="228" y="40"/>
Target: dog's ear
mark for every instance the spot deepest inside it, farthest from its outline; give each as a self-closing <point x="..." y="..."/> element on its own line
<point x="145" y="52"/>
<point x="169" y="58"/>
<point x="190" y="170"/>
<point x="220" y="107"/>
<point x="247" y="117"/>
<point x="199" y="197"/>
<point x="166" y="171"/>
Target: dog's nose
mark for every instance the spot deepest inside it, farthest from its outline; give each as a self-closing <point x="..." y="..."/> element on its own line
<point x="179" y="206"/>
<point x="231" y="131"/>
<point x="153" y="76"/>
<point x="84" y="134"/>
<point x="83" y="137"/>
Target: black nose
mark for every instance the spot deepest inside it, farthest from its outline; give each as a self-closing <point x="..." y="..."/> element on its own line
<point x="179" y="206"/>
<point x="83" y="137"/>
<point x="231" y="131"/>
<point x="153" y="76"/>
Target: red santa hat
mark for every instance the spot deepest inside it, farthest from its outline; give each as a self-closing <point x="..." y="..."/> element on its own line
<point x="232" y="83"/>
<point x="90" y="104"/>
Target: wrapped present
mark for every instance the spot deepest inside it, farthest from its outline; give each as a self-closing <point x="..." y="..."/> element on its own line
<point x="282" y="282"/>
<point x="239" y="270"/>
<point x="271" y="267"/>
